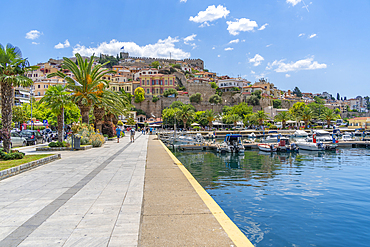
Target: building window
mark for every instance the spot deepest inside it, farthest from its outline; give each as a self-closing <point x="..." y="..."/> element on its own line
<point x="153" y="82"/>
<point x="38" y="86"/>
<point x="147" y="91"/>
<point x="170" y="82"/>
<point x="157" y="90"/>
<point x="156" y="82"/>
<point x="38" y="93"/>
<point x="165" y="82"/>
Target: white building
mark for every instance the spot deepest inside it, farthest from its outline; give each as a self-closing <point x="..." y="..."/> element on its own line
<point x="228" y="84"/>
<point x="150" y="71"/>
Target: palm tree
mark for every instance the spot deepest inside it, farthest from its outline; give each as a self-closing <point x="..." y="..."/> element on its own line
<point x="57" y="99"/>
<point x="110" y="104"/>
<point x="283" y="117"/>
<point x="261" y="116"/>
<point x="210" y="116"/>
<point x="12" y="70"/>
<point x="235" y="118"/>
<point x="328" y="115"/>
<point x="90" y="83"/>
<point x="185" y="114"/>
<point x="307" y="115"/>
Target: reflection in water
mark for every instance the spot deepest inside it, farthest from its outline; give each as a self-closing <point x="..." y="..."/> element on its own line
<point x="290" y="199"/>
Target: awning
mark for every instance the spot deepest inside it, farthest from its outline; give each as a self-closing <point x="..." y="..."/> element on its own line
<point x="195" y="124"/>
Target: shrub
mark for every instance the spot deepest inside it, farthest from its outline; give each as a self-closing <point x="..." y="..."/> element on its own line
<point x="15" y="154"/>
<point x="273" y="127"/>
<point x="119" y="123"/>
<point x="56" y="144"/>
<point x="97" y="140"/>
<point x="105" y="135"/>
<point x="196" y="98"/>
<point x="155" y="98"/>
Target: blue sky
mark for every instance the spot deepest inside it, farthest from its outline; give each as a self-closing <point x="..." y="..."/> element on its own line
<point x="315" y="45"/>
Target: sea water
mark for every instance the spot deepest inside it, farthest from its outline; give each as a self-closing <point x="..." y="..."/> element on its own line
<point x="304" y="199"/>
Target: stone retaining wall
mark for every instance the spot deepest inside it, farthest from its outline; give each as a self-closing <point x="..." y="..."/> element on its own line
<point x="25" y="167"/>
<point x="61" y="148"/>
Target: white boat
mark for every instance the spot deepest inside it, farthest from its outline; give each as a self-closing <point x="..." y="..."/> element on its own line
<point x="251" y="135"/>
<point x="323" y="136"/>
<point x="231" y="144"/>
<point x="310" y="146"/>
<point x="300" y="133"/>
<point x="346" y="138"/>
<point x="266" y="147"/>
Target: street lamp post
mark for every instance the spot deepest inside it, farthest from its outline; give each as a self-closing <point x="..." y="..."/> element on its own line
<point x="31" y="92"/>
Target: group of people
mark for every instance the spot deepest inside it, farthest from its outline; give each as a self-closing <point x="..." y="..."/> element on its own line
<point x="144" y="130"/>
<point x="130" y="130"/>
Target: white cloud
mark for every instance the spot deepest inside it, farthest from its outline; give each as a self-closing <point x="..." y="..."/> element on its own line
<point x="240" y="25"/>
<point x="252" y="72"/>
<point x="234" y="41"/>
<point x="229" y="49"/>
<point x="35" y="43"/>
<point x="293" y="2"/>
<point x="269" y="45"/>
<point x="218" y="55"/>
<point x="312" y="36"/>
<point x="262" y="75"/>
<point x="33" y="34"/>
<point x="256" y="60"/>
<point x="161" y="49"/>
<point x="190" y="38"/>
<point x="287" y="75"/>
<point x="213" y="48"/>
<point x="304" y="64"/>
<point x="263" y="26"/>
<point x="183" y="1"/>
<point x="210" y="14"/>
<point x="301" y="34"/>
<point x="61" y="46"/>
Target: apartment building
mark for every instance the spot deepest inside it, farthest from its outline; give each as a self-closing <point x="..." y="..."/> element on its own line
<point x="156" y="84"/>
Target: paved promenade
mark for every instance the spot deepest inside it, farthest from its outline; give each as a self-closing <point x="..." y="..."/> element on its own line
<point x="123" y="194"/>
<point x="88" y="198"/>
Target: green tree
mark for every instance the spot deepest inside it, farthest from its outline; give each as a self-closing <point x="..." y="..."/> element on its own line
<point x="329" y="115"/>
<point x="297" y="92"/>
<point x="155" y="64"/>
<point x="235" y="118"/>
<point x="253" y="100"/>
<point x="12" y="70"/>
<point x="210" y="117"/>
<point x="176" y="104"/>
<point x="169" y="92"/>
<point x="317" y="109"/>
<point x="307" y="115"/>
<point x="276" y="103"/>
<point x="261" y="116"/>
<point x="282" y="117"/>
<point x="196" y="98"/>
<point x="185" y="114"/>
<point x="57" y="99"/>
<point x="155" y="98"/>
<point x="258" y="94"/>
<point x="19" y="115"/>
<point x="139" y="95"/>
<point x="249" y="119"/>
<point x="177" y="66"/>
<point x="215" y="99"/>
<point x="319" y="100"/>
<point x="169" y="115"/>
<point x="200" y="118"/>
<point x="297" y="109"/>
<point x="90" y="83"/>
<point x="241" y="109"/>
<point x="338" y="96"/>
<point x="213" y="85"/>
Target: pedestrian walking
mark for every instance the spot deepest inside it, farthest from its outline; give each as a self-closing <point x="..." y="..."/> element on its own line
<point x="118" y="132"/>
<point x="132" y="135"/>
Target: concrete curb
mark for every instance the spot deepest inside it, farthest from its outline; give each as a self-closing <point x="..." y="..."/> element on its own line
<point x="42" y="149"/>
<point x="27" y="166"/>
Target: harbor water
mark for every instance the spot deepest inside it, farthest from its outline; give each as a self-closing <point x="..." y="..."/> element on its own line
<point x="303" y="199"/>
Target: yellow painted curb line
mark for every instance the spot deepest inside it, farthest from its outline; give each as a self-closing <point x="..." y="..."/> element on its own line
<point x="230" y="228"/>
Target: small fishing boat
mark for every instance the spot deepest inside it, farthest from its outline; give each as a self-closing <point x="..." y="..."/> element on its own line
<point x="285" y="146"/>
<point x="346" y="138"/>
<point x="231" y="144"/>
<point x="267" y="147"/>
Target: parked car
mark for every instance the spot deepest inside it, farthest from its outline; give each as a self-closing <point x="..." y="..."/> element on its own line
<point x="16" y="140"/>
<point x="33" y="137"/>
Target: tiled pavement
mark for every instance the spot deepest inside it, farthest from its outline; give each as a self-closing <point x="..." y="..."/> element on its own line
<point x="88" y="198"/>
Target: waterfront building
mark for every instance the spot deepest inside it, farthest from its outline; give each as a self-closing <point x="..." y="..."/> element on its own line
<point x="156" y="84"/>
<point x="149" y="71"/>
<point x="359" y="122"/>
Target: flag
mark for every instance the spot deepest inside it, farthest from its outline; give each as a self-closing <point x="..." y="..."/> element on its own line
<point x="122" y="47"/>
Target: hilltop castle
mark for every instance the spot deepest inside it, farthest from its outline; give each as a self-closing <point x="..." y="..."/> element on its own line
<point x="193" y="62"/>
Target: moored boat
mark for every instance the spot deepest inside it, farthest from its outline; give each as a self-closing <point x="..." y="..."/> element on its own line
<point x="267" y="147"/>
